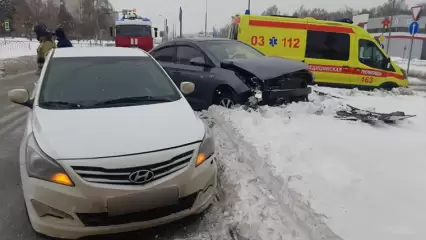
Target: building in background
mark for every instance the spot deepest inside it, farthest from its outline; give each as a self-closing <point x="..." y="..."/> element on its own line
<point x="400" y="39"/>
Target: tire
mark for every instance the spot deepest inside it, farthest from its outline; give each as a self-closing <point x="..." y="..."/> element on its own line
<point x="388" y="86"/>
<point x="225" y="98"/>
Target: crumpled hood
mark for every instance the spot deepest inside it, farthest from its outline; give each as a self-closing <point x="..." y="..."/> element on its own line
<point x="94" y="133"/>
<point x="265" y="67"/>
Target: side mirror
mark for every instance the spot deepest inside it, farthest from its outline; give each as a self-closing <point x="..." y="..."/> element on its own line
<point x="187" y="87"/>
<point x="20" y="96"/>
<point x="388" y="63"/>
<point x="162" y="34"/>
<point x="155" y="32"/>
<point x="111" y="31"/>
<point x="198" y="61"/>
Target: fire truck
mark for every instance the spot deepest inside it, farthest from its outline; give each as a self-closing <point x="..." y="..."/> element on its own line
<point x="132" y="30"/>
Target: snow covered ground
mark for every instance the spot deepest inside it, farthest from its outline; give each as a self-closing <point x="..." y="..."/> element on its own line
<point x="295" y="172"/>
<point x="417" y="69"/>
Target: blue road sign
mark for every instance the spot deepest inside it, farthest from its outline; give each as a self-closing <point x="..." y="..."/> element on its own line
<point x="413" y="28"/>
<point x="382" y="46"/>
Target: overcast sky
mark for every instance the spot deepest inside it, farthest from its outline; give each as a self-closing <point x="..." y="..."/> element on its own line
<point x="220" y="11"/>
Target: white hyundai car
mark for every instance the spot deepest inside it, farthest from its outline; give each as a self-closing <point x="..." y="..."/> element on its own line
<point x="111" y="145"/>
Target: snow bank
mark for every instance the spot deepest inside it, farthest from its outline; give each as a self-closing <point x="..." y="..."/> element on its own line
<point x="365" y="182"/>
<point x="417" y="67"/>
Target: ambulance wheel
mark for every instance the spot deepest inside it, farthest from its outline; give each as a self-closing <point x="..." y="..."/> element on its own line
<point x="388" y="86"/>
<point x="225" y="96"/>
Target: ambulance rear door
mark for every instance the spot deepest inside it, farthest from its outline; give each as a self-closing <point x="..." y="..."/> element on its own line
<point x="328" y="53"/>
<point x="277" y="36"/>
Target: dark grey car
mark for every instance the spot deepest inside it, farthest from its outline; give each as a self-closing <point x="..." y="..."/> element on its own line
<point x="228" y="72"/>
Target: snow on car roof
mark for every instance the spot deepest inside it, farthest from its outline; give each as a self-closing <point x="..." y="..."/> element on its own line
<point x="98" y="52"/>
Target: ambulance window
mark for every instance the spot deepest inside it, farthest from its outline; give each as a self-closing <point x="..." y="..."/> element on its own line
<point x="328" y="45"/>
<point x="166" y="54"/>
<point x="370" y="55"/>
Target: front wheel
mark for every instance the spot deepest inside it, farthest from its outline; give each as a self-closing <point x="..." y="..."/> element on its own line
<point x="388" y="86"/>
<point x="225" y="98"/>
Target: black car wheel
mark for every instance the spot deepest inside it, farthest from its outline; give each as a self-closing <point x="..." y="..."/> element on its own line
<point x="388" y="86"/>
<point x="225" y="98"/>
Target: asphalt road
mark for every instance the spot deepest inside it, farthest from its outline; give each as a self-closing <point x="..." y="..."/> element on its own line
<point x="13" y="220"/>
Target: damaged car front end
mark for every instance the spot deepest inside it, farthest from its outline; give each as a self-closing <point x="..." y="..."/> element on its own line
<point x="271" y="80"/>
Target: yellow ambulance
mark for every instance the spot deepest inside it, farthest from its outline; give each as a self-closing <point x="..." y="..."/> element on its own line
<point x="338" y="53"/>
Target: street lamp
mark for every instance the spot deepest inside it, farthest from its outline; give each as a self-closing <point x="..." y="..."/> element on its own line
<point x="248" y="5"/>
<point x="205" y="23"/>
<point x="165" y="34"/>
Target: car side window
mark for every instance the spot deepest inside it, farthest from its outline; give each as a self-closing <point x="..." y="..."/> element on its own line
<point x="185" y="54"/>
<point x="328" y="45"/>
<point x="370" y="54"/>
<point x="166" y="54"/>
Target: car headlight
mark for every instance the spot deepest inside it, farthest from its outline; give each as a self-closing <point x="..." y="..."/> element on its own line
<point x="41" y="166"/>
<point x="206" y="148"/>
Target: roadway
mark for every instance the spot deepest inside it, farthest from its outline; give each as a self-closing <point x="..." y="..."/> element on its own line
<point x="13" y="220"/>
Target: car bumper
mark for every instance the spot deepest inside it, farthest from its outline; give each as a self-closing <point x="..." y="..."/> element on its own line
<point x="86" y="210"/>
<point x="272" y="96"/>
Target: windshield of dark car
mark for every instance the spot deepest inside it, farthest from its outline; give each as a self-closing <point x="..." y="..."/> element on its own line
<point x="133" y="30"/>
<point x="92" y="80"/>
<point x="222" y="50"/>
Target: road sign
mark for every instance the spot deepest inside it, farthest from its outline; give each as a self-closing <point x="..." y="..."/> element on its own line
<point x="6" y="26"/>
<point x="382" y="39"/>
<point x="416" y="12"/>
<point x="382" y="46"/>
<point x="413" y="28"/>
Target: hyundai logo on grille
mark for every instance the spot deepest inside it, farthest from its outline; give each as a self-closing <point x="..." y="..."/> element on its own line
<point x="141" y="176"/>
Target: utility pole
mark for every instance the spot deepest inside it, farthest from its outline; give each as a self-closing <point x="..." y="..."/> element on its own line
<point x="390" y="25"/>
<point x="205" y="23"/>
<point x="248" y="5"/>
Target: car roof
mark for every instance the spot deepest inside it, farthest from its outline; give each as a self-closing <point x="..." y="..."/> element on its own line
<point x="98" y="52"/>
<point x="200" y="39"/>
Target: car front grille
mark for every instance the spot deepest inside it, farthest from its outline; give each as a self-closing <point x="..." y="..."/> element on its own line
<point x="102" y="219"/>
<point x="299" y="79"/>
<point x="121" y="176"/>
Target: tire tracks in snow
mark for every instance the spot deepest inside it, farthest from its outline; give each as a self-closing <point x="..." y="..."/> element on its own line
<point x="300" y="221"/>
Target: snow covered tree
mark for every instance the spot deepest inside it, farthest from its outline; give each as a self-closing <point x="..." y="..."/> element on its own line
<point x="7" y="8"/>
<point x="65" y="20"/>
<point x="272" y="10"/>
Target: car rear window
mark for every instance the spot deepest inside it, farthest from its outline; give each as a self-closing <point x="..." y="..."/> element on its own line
<point x="92" y="80"/>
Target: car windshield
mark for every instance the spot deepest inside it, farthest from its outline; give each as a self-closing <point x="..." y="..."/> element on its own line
<point x="96" y="82"/>
<point x="222" y="50"/>
<point x="133" y="30"/>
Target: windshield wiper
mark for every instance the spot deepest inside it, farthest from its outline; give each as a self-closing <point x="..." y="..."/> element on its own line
<point x="134" y="100"/>
<point x="60" y="104"/>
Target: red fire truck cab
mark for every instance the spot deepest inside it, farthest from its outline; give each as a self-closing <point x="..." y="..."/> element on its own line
<point x="134" y="31"/>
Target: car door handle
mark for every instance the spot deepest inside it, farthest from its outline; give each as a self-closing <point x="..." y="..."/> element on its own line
<point x="358" y="69"/>
<point x="175" y="72"/>
<point x="345" y="66"/>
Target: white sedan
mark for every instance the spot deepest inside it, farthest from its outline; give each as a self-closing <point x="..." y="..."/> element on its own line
<point x="111" y="145"/>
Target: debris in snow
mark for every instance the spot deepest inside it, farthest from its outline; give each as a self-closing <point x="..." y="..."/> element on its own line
<point x="355" y="114"/>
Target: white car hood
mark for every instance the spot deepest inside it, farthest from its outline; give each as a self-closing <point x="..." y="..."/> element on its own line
<point x="92" y="133"/>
